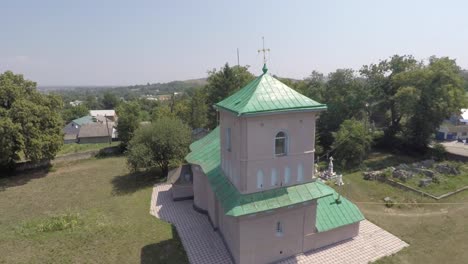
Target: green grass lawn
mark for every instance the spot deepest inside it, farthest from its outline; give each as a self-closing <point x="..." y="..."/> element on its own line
<point x="89" y="211"/>
<point x="74" y="147"/>
<point x="437" y="232"/>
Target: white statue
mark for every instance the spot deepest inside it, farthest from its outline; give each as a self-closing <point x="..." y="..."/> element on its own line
<point x="339" y="180"/>
<point x="330" y="168"/>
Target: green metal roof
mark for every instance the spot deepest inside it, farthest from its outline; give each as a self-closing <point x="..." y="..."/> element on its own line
<point x="206" y="153"/>
<point x="266" y="94"/>
<point x="83" y="120"/>
<point x="331" y="214"/>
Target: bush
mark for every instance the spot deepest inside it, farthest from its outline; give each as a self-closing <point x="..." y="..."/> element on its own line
<point x="161" y="144"/>
<point x="438" y="152"/>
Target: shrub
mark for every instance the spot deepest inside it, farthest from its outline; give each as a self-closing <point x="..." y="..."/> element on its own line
<point x="438" y="152"/>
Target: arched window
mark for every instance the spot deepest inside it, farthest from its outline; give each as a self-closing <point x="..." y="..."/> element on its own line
<point x="281" y="144"/>
<point x="287" y="175"/>
<point x="300" y="172"/>
<point x="279" y="228"/>
<point x="259" y="179"/>
<point x="274" y="177"/>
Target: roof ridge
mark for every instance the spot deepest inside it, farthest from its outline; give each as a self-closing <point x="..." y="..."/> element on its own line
<point x="258" y="79"/>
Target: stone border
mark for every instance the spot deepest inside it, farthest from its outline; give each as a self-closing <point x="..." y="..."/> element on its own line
<point x="406" y="187"/>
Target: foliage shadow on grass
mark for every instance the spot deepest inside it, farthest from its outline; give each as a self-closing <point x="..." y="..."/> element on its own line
<point x="14" y="179"/>
<point x="167" y="251"/>
<point x="132" y="182"/>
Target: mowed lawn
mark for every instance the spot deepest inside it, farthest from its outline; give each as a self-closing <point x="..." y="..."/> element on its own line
<point x="437" y="231"/>
<point x="89" y="211"/>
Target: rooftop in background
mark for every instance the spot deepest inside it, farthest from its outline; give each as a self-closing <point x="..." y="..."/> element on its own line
<point x="96" y="130"/>
<point x="83" y="120"/>
<point x="102" y="112"/>
<point x="266" y="94"/>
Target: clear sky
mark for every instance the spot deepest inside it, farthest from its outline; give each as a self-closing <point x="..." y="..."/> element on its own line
<point x="132" y="42"/>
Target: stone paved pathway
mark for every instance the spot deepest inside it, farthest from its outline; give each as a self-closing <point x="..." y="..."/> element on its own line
<point x="204" y="246"/>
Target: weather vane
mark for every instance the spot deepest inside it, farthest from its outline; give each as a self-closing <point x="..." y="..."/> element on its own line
<point x="264" y="50"/>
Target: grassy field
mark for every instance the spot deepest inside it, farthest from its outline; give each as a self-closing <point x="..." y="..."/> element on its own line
<point x="90" y="211"/>
<point x="74" y="148"/>
<point x="436" y="231"/>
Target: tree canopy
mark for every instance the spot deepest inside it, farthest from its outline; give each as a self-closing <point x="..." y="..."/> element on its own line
<point x="30" y="122"/>
<point x="73" y="112"/>
<point x="110" y="100"/>
<point x="352" y="143"/>
<point x="222" y="84"/>
<point x="128" y="122"/>
<point x="163" y="142"/>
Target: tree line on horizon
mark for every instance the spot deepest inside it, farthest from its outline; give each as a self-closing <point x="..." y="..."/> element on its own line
<point x="396" y="104"/>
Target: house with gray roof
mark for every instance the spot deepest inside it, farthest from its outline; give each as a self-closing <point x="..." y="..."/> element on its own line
<point x="95" y="132"/>
<point x="71" y="129"/>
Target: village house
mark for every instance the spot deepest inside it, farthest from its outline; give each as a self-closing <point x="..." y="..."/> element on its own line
<point x="253" y="177"/>
<point x="456" y="127"/>
<point x="96" y="132"/>
<point x="71" y="129"/>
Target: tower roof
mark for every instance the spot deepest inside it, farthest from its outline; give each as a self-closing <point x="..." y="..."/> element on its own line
<point x="266" y="94"/>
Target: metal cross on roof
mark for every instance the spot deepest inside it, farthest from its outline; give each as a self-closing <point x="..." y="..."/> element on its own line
<point x="264" y="50"/>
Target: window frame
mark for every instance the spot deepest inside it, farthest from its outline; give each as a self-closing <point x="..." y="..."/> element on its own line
<point x="260" y="179"/>
<point x="279" y="228"/>
<point x="228" y="139"/>
<point x="285" y="144"/>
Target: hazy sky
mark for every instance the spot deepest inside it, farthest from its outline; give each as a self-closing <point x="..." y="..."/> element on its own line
<point x="132" y="42"/>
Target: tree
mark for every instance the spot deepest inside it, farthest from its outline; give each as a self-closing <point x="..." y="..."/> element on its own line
<point x="199" y="110"/>
<point x="162" y="111"/>
<point x="30" y="122"/>
<point x="164" y="141"/>
<point x="91" y="102"/>
<point x="110" y="101"/>
<point x="128" y="122"/>
<point x="222" y="84"/>
<point x="352" y="143"/>
<point x="346" y="97"/>
<point x="435" y="92"/>
<point x="74" y="112"/>
<point x="382" y="81"/>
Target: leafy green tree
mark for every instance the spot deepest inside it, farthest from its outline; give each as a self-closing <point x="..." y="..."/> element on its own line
<point x="163" y="142"/>
<point x="384" y="83"/>
<point x="436" y="91"/>
<point x="162" y="111"/>
<point x="182" y="110"/>
<point x="352" y="143"/>
<point x="30" y="122"/>
<point x="74" y="112"/>
<point x="198" y="110"/>
<point x="222" y="84"/>
<point x="11" y="140"/>
<point x="129" y="120"/>
<point x="92" y="103"/>
<point x="110" y="100"/>
<point x="346" y="97"/>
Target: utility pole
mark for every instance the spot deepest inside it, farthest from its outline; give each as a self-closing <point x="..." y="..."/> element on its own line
<point x="238" y="64"/>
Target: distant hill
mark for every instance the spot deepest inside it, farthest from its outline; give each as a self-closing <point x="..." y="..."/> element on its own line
<point x="187" y="84"/>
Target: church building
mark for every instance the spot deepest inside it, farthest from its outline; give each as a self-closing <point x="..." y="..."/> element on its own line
<point x="254" y="176"/>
